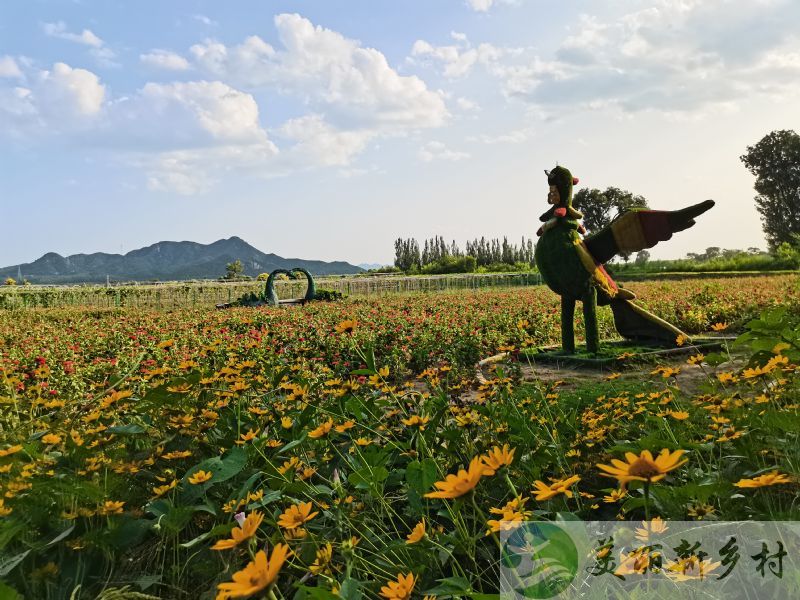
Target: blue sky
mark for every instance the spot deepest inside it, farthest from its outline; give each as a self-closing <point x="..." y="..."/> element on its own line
<point x="325" y="129"/>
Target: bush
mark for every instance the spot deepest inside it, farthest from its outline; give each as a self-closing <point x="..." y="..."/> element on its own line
<point x="501" y="267"/>
<point x="328" y="295"/>
<point x="451" y="264"/>
<point x="11" y="281"/>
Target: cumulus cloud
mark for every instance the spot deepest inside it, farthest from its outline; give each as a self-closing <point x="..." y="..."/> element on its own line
<point x="51" y="101"/>
<point x="184" y="135"/>
<point x="317" y="142"/>
<point x="164" y="59"/>
<point x="98" y="48"/>
<point x="353" y="86"/>
<point x="458" y="59"/>
<point x="65" y="91"/>
<point x="673" y="56"/>
<point x="9" y="67"/>
<point x="190" y="114"/>
<point x="439" y="151"/>
<point x="179" y="134"/>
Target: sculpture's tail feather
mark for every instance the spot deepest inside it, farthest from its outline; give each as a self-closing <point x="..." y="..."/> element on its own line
<point x="640" y="229"/>
<point x="636" y="324"/>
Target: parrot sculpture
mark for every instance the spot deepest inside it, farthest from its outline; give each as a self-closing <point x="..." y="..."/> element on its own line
<point x="572" y="265"/>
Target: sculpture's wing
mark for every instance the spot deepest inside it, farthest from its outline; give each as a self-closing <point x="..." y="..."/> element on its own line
<point x="640" y="229"/>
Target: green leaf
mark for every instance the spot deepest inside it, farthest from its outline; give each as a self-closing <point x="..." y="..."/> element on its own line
<point x="350" y="589"/>
<point x="145" y="581"/>
<point x="218" y="530"/>
<point x="8" y="564"/>
<point x="221" y="468"/>
<point x="292" y="444"/>
<point x="368" y="477"/>
<point x="8" y="593"/>
<point x="60" y="536"/>
<point x="129" y="533"/>
<point x="369" y="356"/>
<point x="421" y="476"/>
<point x="129" y="429"/>
<point x="305" y="592"/>
<point x="159" y="508"/>
<point x="450" y="586"/>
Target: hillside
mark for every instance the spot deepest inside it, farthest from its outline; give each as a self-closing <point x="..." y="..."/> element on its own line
<point x="165" y="261"/>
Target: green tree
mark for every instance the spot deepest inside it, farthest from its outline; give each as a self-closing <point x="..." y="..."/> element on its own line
<point x="775" y="162"/>
<point x="599" y="208"/>
<point x="11" y="281"/>
<point x="234" y="270"/>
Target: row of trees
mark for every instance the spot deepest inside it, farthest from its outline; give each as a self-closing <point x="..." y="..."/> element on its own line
<point x="484" y="252"/>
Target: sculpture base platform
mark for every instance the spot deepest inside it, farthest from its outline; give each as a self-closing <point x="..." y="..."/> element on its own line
<point x="617" y="354"/>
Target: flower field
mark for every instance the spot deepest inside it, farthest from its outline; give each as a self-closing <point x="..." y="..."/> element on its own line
<point x="329" y="451"/>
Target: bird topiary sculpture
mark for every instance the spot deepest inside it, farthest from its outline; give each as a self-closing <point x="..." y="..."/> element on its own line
<point x="572" y="266"/>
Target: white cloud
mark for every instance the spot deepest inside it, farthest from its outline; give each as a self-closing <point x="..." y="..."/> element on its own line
<point x="354" y="86"/>
<point x="675" y="56"/>
<point x="98" y="49"/>
<point x="480" y="5"/>
<point x="195" y="113"/>
<point x="516" y="136"/>
<point x="9" y="67"/>
<point x="486" y="5"/>
<point x="180" y="135"/>
<point x="457" y="60"/>
<point x="205" y="20"/>
<point x="466" y="104"/>
<point x="183" y="135"/>
<point x="65" y="91"/>
<point x="51" y="102"/>
<point x="172" y="174"/>
<point x="319" y="143"/>
<point x="85" y="37"/>
<point x="438" y="151"/>
<point x="164" y="59"/>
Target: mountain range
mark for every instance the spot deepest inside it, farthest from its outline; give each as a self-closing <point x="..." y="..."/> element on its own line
<point x="165" y="261"/>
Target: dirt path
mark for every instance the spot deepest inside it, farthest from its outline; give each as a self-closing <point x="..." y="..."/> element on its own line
<point x="689" y="379"/>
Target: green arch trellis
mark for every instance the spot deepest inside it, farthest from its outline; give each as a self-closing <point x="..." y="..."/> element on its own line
<point x="271" y="298"/>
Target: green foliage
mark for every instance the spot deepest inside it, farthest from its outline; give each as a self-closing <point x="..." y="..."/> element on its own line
<point x="234" y="270"/>
<point x="451" y="264"/>
<point x="407" y="255"/>
<point x="599" y="208"/>
<point x="501" y="267"/>
<point x="435" y="257"/>
<point x="11" y="281"/>
<point x="774" y="161"/>
<point x="789" y="254"/>
<point x="786" y="257"/>
<point x="328" y="295"/>
<point x="775" y="331"/>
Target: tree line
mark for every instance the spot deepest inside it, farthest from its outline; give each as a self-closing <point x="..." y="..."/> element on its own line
<point x="483" y="252"/>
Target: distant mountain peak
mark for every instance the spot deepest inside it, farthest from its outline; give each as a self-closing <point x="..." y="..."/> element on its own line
<point x="165" y="261"/>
